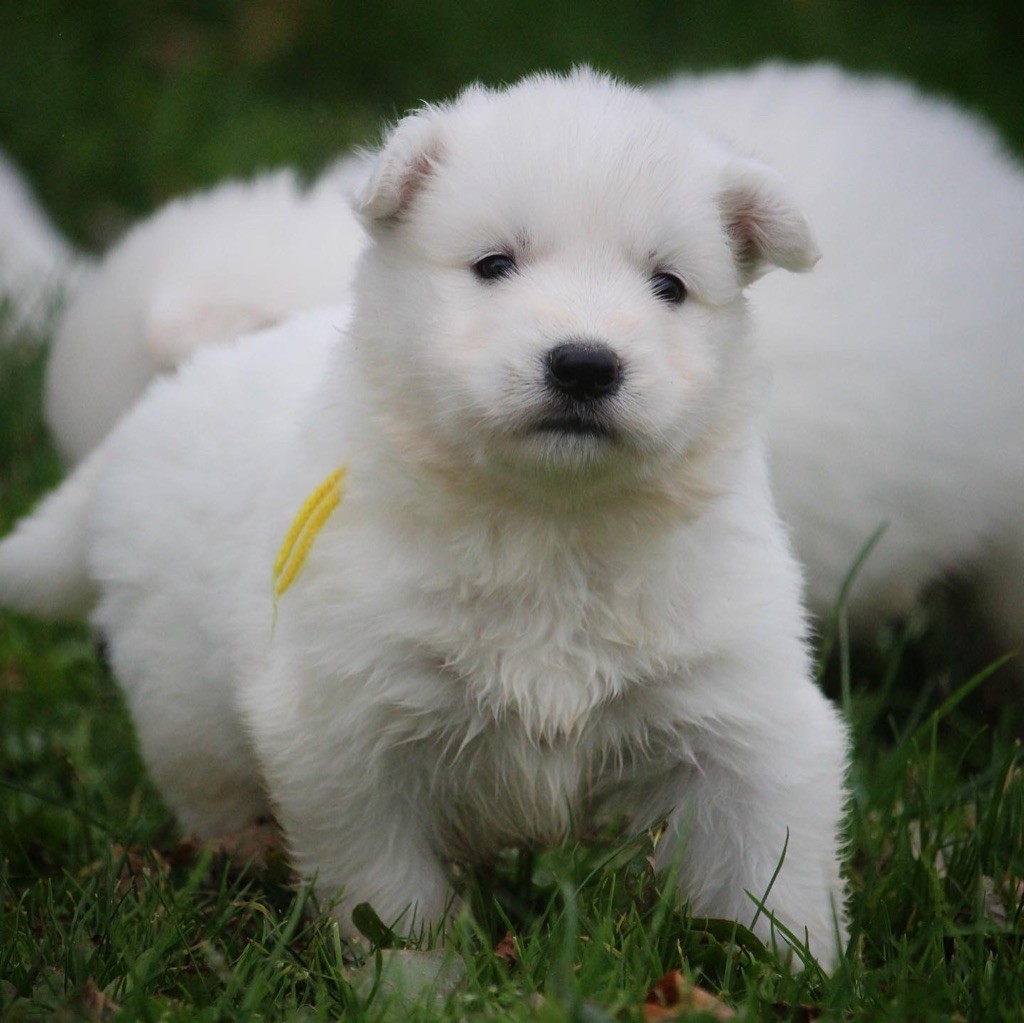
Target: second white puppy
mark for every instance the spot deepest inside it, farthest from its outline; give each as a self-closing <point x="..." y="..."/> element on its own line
<point x="898" y="394"/>
<point x="201" y="270"/>
<point x="532" y="578"/>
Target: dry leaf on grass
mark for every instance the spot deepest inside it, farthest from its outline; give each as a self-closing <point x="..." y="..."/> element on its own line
<point x="137" y="866"/>
<point x="674" y="996"/>
<point x="506" y="951"/>
<point x="12" y="677"/>
<point x="186" y="852"/>
<point x="96" y="1005"/>
<point x="256" y="845"/>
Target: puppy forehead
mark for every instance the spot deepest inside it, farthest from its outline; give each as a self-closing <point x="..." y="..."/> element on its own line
<point x="553" y="153"/>
<point x="585" y="113"/>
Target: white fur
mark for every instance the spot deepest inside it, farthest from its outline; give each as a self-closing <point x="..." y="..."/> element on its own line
<point x="201" y="270"/>
<point x="898" y="393"/>
<point x="37" y="266"/>
<point x="505" y="632"/>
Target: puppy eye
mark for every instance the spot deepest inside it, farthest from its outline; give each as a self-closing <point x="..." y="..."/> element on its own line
<point x="494" y="266"/>
<point x="668" y="288"/>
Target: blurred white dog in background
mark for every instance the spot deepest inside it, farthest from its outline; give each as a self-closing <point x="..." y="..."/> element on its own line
<point x="898" y="394"/>
<point x="201" y="270"/>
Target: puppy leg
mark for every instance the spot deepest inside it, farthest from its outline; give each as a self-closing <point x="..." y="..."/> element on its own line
<point x="767" y="796"/>
<point x="370" y="847"/>
<point x="351" y="794"/>
<point x="202" y="763"/>
<point x="190" y="733"/>
<point x="210" y="781"/>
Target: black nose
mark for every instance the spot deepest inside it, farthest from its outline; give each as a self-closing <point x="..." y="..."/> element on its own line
<point x="584" y="371"/>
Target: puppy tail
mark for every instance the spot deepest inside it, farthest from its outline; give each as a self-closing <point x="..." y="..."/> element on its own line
<point x="44" y="568"/>
<point x="38" y="267"/>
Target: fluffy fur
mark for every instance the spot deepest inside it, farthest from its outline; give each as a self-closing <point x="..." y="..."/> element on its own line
<point x="533" y="612"/>
<point x="37" y="267"/>
<point x="897" y="393"/>
<point x="201" y="270"/>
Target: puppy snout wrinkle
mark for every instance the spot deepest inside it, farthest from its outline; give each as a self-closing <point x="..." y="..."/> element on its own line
<point x="584" y="370"/>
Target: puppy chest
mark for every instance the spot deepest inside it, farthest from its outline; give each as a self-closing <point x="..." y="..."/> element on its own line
<point x="550" y="660"/>
<point x="505" y="790"/>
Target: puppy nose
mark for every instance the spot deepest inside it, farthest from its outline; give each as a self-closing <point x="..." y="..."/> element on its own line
<point x="583" y="370"/>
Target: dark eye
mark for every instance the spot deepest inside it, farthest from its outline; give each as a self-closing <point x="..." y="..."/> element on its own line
<point x="668" y="288"/>
<point x="494" y="266"/>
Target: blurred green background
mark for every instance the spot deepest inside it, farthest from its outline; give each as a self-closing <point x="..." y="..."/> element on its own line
<point x="111" y="106"/>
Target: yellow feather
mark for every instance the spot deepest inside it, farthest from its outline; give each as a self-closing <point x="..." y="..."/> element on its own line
<point x="302" y="533"/>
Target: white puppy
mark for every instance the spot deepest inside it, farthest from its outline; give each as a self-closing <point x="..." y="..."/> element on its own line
<point x="37" y="266"/>
<point x="898" y="393"/>
<point x="537" y="581"/>
<point x="201" y="270"/>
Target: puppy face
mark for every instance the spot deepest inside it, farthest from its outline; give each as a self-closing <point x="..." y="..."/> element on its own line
<point x="555" y="281"/>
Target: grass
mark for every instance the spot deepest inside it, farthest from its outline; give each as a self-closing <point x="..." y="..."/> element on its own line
<point x="113" y="107"/>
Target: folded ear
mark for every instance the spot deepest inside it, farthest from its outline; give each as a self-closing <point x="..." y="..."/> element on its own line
<point x="765" y="227"/>
<point x="403" y="164"/>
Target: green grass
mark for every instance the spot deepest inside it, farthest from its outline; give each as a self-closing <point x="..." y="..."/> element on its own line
<point x="112" y="108"/>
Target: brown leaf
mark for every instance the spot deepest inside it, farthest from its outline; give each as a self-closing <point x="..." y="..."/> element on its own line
<point x="97" y="1006"/>
<point x="186" y="853"/>
<point x="12" y="678"/>
<point x="40" y="858"/>
<point x="506" y="950"/>
<point x="256" y="845"/>
<point x="137" y="866"/>
<point x="674" y="996"/>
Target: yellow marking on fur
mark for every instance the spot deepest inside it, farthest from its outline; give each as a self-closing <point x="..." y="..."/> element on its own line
<point x="298" y="542"/>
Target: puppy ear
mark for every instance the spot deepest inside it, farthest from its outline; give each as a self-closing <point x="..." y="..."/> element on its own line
<point x="764" y="225"/>
<point x="404" y="163"/>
